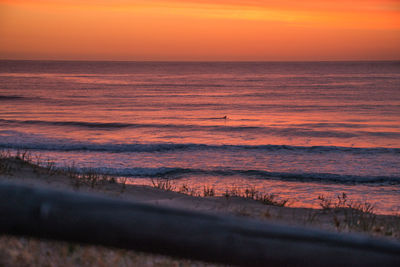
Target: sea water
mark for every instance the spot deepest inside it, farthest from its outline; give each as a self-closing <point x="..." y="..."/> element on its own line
<point x="294" y="129"/>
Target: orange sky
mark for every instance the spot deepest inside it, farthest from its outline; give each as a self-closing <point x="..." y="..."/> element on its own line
<point x="200" y="29"/>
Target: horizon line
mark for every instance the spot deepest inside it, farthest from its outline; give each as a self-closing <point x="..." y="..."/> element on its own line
<point x="202" y="61"/>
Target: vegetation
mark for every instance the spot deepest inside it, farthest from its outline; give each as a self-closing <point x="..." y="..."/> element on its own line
<point x="88" y="177"/>
<point x="91" y="178"/>
<point x="163" y="184"/>
<point x="208" y="191"/>
<point x="354" y="215"/>
<point x="344" y="214"/>
<point x="185" y="189"/>
<point x="5" y="166"/>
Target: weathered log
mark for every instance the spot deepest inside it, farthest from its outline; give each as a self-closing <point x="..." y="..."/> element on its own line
<point x="99" y="220"/>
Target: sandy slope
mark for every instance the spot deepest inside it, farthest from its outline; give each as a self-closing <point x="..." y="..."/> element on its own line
<point x="19" y="251"/>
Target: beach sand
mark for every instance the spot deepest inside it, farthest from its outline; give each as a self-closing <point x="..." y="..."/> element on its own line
<point x="25" y="251"/>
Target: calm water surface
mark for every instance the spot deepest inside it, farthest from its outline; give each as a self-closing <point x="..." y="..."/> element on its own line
<point x="294" y="129"/>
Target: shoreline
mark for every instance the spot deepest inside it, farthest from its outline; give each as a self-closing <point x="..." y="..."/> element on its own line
<point x="333" y="218"/>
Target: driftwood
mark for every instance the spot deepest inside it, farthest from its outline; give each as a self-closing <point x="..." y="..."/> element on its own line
<point x="92" y="219"/>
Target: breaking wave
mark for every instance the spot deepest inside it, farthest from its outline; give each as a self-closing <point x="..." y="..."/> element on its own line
<point x="176" y="173"/>
<point x="171" y="147"/>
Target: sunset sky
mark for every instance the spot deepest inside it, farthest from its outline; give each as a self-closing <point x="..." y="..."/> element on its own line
<point x="200" y="29"/>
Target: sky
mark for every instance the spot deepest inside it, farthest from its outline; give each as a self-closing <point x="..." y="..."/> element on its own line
<point x="200" y="30"/>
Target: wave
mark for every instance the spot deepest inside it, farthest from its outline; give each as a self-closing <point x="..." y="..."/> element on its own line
<point x="12" y="97"/>
<point x="22" y="98"/>
<point x="176" y="173"/>
<point x="171" y="147"/>
<point x="68" y="123"/>
<point x="105" y="124"/>
<point x="268" y="130"/>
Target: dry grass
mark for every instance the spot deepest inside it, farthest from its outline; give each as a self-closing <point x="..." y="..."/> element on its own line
<point x="90" y="177"/>
<point x="9" y="163"/>
<point x="270" y="199"/>
<point x="5" y="166"/>
<point x="253" y="194"/>
<point x="349" y="215"/>
<point x="208" y="191"/>
<point x="163" y="184"/>
<point x="185" y="189"/>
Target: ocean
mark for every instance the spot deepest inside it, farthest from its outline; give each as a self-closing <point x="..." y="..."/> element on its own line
<point x="294" y="129"/>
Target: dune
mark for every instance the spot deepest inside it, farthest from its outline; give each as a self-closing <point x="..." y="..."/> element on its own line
<point x="24" y="250"/>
